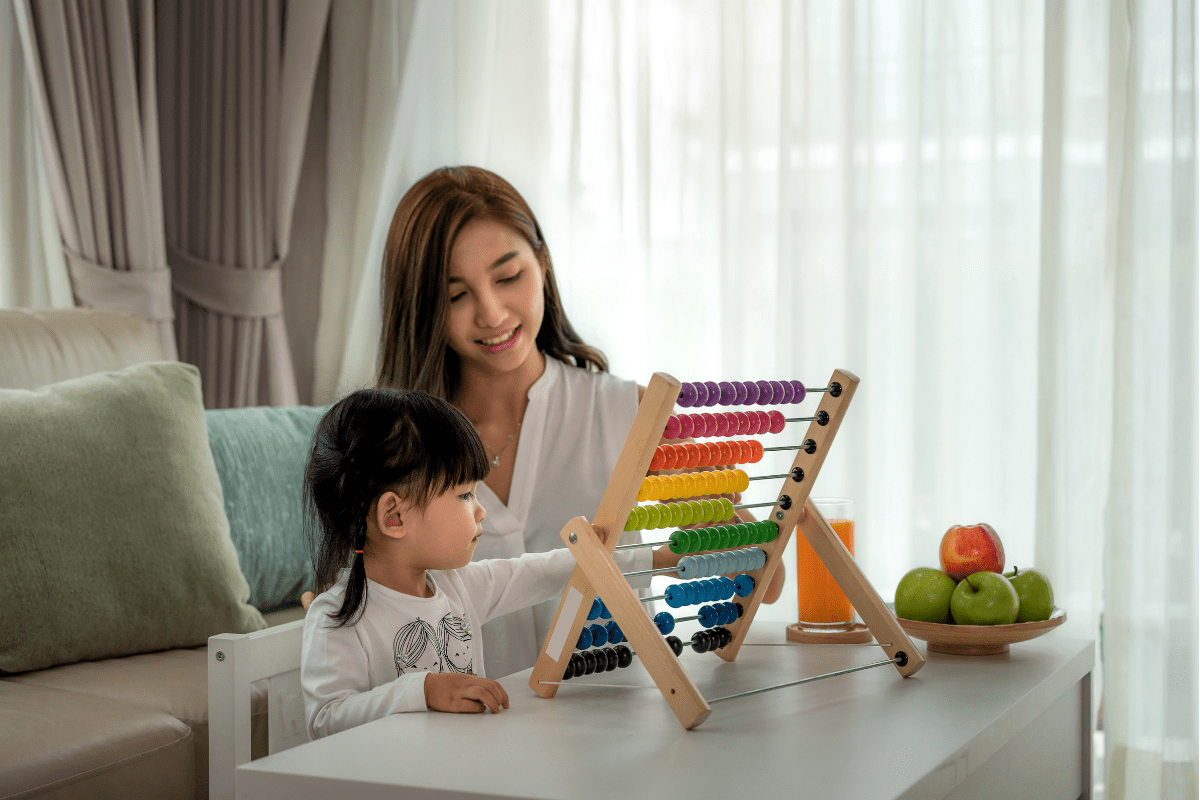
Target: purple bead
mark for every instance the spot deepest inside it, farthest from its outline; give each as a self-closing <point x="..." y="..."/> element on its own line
<point x="751" y="393"/>
<point x="798" y="391"/>
<point x="788" y="391"/>
<point x="701" y="394"/>
<point x="776" y="392"/>
<point x="739" y="393"/>
<point x="764" y="393"/>
<point x="687" y="395"/>
<point x="727" y="393"/>
<point x="714" y="393"/>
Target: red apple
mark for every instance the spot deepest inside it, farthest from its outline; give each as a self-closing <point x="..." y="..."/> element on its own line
<point x="967" y="549"/>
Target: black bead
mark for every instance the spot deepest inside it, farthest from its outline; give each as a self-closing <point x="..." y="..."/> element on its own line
<point x="570" y="670"/>
<point x="726" y="638"/>
<point x="579" y="664"/>
<point x="611" y="655"/>
<point x="740" y="609"/>
<point x="676" y="644"/>
<point x="624" y="656"/>
<point x="589" y="660"/>
<point x="701" y="642"/>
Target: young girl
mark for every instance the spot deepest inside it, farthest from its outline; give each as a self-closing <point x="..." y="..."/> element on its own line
<point x="391" y="483"/>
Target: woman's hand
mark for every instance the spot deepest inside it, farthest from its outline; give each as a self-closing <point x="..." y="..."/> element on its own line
<point x="306" y="600"/>
<point x="463" y="694"/>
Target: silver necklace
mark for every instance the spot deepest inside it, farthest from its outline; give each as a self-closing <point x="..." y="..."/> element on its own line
<point x="500" y="452"/>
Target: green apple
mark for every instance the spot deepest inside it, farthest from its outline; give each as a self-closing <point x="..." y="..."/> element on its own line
<point x="984" y="598"/>
<point x="923" y="594"/>
<point x="1034" y="593"/>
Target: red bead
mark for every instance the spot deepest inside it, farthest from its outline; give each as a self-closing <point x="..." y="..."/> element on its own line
<point x="686" y="422"/>
<point x="706" y="425"/>
<point x="672" y="430"/>
<point x="743" y="420"/>
<point x="764" y="422"/>
<point x="777" y="421"/>
<point x="722" y="424"/>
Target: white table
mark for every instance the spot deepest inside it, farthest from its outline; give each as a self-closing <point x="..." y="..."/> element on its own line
<point x="1014" y="725"/>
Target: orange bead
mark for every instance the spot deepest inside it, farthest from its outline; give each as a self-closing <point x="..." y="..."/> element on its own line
<point x="694" y="455"/>
<point x="726" y="452"/>
<point x="756" y="452"/>
<point x="743" y="452"/>
<point x="660" y="456"/>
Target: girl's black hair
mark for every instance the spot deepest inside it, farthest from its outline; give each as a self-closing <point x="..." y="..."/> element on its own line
<point x="370" y="442"/>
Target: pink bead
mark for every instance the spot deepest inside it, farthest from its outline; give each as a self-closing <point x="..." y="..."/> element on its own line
<point x="722" y="424"/>
<point x="686" y="424"/>
<point x="777" y="421"/>
<point x="764" y="422"/>
<point x="743" y="420"/>
<point x="672" y="431"/>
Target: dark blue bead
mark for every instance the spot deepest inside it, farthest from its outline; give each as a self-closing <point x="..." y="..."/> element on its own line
<point x="585" y="639"/>
<point x="708" y="616"/>
<point x="675" y="595"/>
<point x="604" y="612"/>
<point x="728" y="587"/>
<point x="665" y="622"/>
<point x="744" y="585"/>
<point x="595" y="609"/>
<point x="599" y="636"/>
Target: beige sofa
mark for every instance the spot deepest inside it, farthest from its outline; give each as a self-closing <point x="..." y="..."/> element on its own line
<point x="131" y="727"/>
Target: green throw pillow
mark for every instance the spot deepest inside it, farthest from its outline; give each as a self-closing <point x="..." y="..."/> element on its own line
<point x="113" y="537"/>
<point x="260" y="455"/>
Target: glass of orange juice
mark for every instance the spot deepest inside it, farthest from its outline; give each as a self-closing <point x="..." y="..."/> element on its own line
<point x="823" y="606"/>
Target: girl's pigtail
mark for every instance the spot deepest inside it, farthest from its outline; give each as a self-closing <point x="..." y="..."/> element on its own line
<point x="355" y="600"/>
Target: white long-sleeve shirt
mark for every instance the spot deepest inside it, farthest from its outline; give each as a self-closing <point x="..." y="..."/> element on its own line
<point x="377" y="666"/>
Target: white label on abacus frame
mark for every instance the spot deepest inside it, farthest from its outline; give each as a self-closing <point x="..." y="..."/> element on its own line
<point x="566" y="618"/>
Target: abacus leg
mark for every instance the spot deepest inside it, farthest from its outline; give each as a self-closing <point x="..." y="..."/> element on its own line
<point x="858" y="590"/>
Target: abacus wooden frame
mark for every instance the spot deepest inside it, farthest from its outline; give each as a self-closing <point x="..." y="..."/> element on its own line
<point x="596" y="573"/>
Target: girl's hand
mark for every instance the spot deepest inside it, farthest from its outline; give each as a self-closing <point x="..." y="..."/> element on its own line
<point x="463" y="694"/>
<point x="306" y="600"/>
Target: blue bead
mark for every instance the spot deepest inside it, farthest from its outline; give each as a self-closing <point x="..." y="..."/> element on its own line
<point x="728" y="587"/>
<point x="689" y="594"/>
<point x="599" y="636"/>
<point x="744" y="585"/>
<point x="585" y="639"/>
<point x="675" y="595"/>
<point x="665" y="622"/>
<point x="604" y="612"/>
<point x="614" y="633"/>
<point x="595" y="609"/>
<point x="708" y="616"/>
<point x="728" y="613"/>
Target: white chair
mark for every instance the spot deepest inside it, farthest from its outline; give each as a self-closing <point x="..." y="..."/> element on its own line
<point x="235" y="661"/>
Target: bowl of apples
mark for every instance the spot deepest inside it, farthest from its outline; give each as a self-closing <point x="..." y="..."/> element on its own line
<point x="971" y="606"/>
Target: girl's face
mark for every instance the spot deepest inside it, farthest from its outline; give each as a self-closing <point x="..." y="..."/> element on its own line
<point x="444" y="533"/>
<point x="496" y="301"/>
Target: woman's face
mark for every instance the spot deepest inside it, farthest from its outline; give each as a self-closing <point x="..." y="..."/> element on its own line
<point x="496" y="301"/>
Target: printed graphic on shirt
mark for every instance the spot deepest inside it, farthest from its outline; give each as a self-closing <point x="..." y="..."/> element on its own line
<point x="419" y="647"/>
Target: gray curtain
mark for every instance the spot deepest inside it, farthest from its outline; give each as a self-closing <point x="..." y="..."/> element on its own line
<point x="235" y="83"/>
<point x="91" y="67"/>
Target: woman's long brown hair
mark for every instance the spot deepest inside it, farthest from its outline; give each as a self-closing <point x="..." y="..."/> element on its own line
<point x="414" y="350"/>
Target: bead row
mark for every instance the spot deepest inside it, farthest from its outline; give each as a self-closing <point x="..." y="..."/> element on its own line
<point x="709" y="616"/>
<point x="674" y="515"/>
<point x="708" y="590"/>
<point x="693" y="484"/>
<point x="600" y="635"/>
<point x="724" y="537"/>
<point x="723" y="423"/>
<point x="724" y="563"/>
<point x="706" y="454"/>
<point x="610" y="658"/>
<point x="737" y="393"/>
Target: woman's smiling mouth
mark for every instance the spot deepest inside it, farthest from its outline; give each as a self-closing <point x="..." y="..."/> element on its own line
<point x="505" y="340"/>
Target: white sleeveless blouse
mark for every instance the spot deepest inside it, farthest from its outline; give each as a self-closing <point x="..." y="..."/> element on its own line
<point x="574" y="427"/>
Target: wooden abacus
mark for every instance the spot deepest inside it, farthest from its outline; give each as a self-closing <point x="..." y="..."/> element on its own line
<point x="596" y="574"/>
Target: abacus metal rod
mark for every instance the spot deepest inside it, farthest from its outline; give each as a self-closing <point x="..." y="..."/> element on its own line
<point x="759" y="505"/>
<point x="805" y="680"/>
<point x="767" y="477"/>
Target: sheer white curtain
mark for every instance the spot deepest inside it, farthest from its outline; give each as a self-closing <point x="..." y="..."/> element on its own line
<point x="985" y="210"/>
<point x="33" y="271"/>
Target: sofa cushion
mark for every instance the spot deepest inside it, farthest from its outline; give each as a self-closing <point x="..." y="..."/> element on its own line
<point x="260" y="455"/>
<point x="61" y="744"/>
<point x="113" y="537"/>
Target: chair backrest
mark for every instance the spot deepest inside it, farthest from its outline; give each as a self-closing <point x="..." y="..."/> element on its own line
<point x="235" y="661"/>
<point x="44" y="346"/>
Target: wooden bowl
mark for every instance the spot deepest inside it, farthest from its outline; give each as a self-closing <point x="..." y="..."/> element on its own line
<point x="978" y="640"/>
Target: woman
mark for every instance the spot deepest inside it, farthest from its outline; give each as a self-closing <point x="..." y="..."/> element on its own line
<point x="471" y="313"/>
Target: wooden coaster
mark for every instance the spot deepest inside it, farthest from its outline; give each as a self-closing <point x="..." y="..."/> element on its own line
<point x="856" y="633"/>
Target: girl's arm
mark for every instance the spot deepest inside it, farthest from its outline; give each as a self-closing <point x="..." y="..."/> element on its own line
<point x="335" y="680"/>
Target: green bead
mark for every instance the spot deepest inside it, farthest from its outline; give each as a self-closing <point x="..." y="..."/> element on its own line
<point x="708" y="537"/>
<point x="631" y="520"/>
<point x="693" y="540"/>
<point x="772" y="531"/>
<point x="745" y="533"/>
<point x="679" y="543"/>
<point x="651" y="521"/>
<point x="676" y="512"/>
